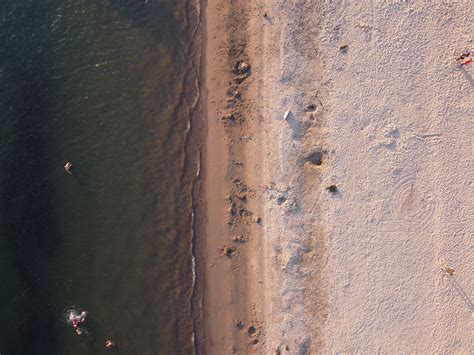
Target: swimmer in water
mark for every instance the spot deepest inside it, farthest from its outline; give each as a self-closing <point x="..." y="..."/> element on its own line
<point x="109" y="344"/>
<point x="68" y="167"/>
<point x="75" y="317"/>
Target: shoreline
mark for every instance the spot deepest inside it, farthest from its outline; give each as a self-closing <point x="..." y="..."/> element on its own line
<point x="200" y="206"/>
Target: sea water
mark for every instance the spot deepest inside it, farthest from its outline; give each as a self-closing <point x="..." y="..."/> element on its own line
<point x="111" y="86"/>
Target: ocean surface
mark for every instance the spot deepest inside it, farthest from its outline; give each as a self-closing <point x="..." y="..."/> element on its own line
<point x="112" y="87"/>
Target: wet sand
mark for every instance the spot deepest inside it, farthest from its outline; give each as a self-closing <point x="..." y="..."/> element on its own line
<point x="232" y="291"/>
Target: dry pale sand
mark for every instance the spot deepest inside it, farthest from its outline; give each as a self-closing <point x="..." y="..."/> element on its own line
<point x="386" y="119"/>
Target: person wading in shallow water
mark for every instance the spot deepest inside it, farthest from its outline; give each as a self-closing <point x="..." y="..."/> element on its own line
<point x="68" y="168"/>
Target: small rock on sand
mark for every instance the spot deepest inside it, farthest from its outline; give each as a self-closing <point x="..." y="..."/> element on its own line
<point x="228" y="251"/>
<point x="252" y="331"/>
<point x="239" y="324"/>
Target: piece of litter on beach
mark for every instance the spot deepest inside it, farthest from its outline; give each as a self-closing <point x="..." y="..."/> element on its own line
<point x="447" y="269"/>
<point x="286" y="114"/>
<point x="252" y="331"/>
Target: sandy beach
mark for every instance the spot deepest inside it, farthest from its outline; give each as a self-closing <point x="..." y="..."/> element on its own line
<point x="337" y="178"/>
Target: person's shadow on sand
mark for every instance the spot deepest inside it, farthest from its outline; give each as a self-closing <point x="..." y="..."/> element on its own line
<point x="467" y="75"/>
<point x="462" y="293"/>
